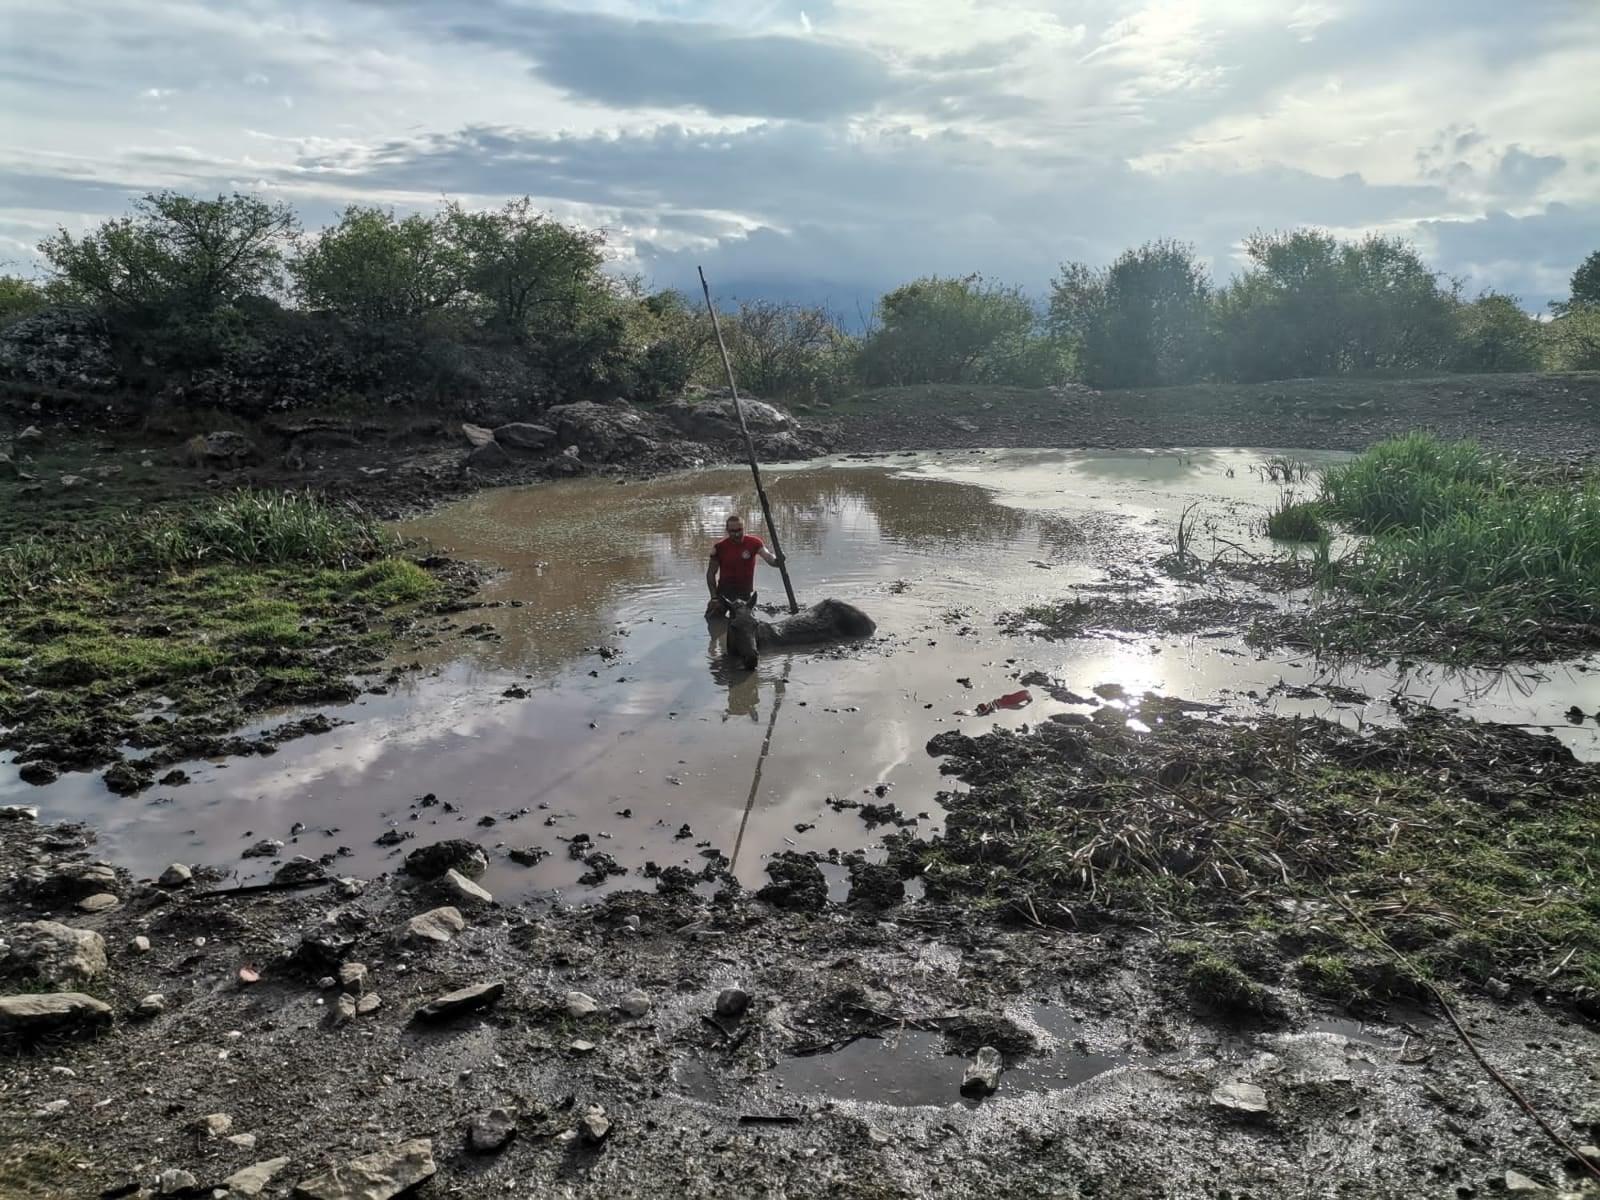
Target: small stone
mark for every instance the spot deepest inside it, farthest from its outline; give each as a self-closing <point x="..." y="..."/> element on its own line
<point x="173" y="1181"/>
<point x="52" y="1108"/>
<point x="877" y="1137"/>
<point x="732" y="1002"/>
<point x="99" y="902"/>
<point x="635" y="1004"/>
<point x="19" y="812"/>
<point x="152" y="1005"/>
<point x="368" y="1003"/>
<point x="594" y="1126"/>
<point x="581" y="1046"/>
<point x="1586" y="1154"/>
<point x="1244" y="1098"/>
<point x="581" y="1004"/>
<point x="631" y="921"/>
<point x="1518" y="1182"/>
<point x="982" y="1075"/>
<point x="463" y="1000"/>
<point x="216" y="1124"/>
<point x="139" y="945"/>
<point x="349" y="888"/>
<point x="265" y="848"/>
<point x="462" y="889"/>
<point x="252" y="1181"/>
<point x="353" y="976"/>
<point x="376" y="1176"/>
<point x="38" y="1011"/>
<point x="1498" y="988"/>
<point x="344" y="1008"/>
<point x="175" y="876"/>
<point x="490" y="1131"/>
<point x="455" y="854"/>
<point x="437" y="925"/>
<point x="244" y="1141"/>
<point x="326" y="982"/>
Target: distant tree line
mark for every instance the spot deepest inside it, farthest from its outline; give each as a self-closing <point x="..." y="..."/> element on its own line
<point x="194" y="279"/>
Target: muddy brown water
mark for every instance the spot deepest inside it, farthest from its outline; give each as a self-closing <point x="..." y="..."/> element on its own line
<point x="634" y="726"/>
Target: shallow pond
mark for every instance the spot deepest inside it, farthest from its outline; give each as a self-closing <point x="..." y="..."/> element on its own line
<point x="633" y="726"/>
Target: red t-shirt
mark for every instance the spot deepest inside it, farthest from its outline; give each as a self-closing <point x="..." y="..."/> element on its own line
<point x="736" y="563"/>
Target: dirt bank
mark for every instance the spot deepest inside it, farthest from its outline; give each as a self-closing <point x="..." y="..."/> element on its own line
<point x="840" y="1078"/>
<point x="1547" y="416"/>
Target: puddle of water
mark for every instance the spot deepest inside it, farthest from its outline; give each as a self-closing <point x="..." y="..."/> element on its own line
<point x="660" y="729"/>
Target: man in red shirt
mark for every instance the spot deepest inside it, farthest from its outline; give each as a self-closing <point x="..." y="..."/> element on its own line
<point x="732" y="573"/>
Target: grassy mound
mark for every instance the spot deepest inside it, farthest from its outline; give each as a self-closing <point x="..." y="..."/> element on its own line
<point x="211" y="611"/>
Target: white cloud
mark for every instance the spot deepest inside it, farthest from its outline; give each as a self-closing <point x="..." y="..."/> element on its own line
<point x="859" y="141"/>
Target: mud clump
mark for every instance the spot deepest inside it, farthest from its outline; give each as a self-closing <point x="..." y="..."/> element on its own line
<point x="875" y="885"/>
<point x="453" y="854"/>
<point x="797" y="883"/>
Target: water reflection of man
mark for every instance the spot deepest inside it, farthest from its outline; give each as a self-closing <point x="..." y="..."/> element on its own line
<point x="732" y="573"/>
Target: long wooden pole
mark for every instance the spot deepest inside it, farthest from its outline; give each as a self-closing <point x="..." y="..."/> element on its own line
<point x="749" y="445"/>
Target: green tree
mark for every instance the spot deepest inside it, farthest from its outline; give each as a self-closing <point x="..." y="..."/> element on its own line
<point x="937" y="330"/>
<point x="377" y="269"/>
<point x="1140" y="322"/>
<point x="176" y="253"/>
<point x="673" y="343"/>
<point x="1493" y="333"/>
<point x="1585" y="285"/>
<point x="531" y="273"/>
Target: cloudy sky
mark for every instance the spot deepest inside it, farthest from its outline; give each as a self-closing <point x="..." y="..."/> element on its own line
<point x="827" y="149"/>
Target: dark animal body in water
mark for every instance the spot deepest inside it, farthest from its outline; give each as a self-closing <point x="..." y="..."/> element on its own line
<point x="826" y="621"/>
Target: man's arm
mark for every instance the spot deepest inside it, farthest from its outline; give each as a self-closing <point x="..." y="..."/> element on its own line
<point x="772" y="558"/>
<point x="711" y="577"/>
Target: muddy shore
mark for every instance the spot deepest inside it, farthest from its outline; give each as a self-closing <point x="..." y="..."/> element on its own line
<point x="1124" y="1073"/>
<point x="220" y="1074"/>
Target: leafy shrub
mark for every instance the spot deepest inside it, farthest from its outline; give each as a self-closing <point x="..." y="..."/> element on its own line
<point x="1572" y="339"/>
<point x="1493" y="333"/>
<point x="937" y="330"/>
<point x="20" y="298"/>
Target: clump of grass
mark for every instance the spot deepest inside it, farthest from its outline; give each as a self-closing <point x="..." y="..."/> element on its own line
<point x="1220" y="983"/>
<point x="1467" y="558"/>
<point x="1295" y="520"/>
<point x="80" y="660"/>
<point x="1283" y="469"/>
<point x="392" y="581"/>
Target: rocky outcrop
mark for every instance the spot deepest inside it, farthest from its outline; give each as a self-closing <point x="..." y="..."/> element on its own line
<point x="63" y="348"/>
<point x="601" y="432"/>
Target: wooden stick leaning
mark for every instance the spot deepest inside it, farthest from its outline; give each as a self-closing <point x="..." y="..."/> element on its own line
<point x="749" y="445"/>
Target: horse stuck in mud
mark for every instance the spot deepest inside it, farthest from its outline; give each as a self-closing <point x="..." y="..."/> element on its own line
<point x="826" y="621"/>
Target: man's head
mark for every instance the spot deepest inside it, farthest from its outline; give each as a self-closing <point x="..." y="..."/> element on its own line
<point x="735" y="526"/>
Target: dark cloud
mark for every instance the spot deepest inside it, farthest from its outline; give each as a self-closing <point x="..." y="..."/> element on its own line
<point x="1531" y="256"/>
<point x="1519" y="173"/>
<point x="625" y="63"/>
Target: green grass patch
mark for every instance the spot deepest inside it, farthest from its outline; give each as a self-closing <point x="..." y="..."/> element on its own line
<point x="224" y="607"/>
<point x="1468" y="558"/>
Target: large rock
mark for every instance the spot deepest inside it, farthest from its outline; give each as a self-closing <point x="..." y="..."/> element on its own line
<point x="488" y="457"/>
<point x="712" y="418"/>
<point x="476" y="435"/>
<point x="453" y="854"/>
<point x="376" y="1176"/>
<point x="252" y="1181"/>
<point x="463" y="891"/>
<point x="45" y="1012"/>
<point x="226" y="447"/>
<point x="524" y="435"/>
<point x="601" y="432"/>
<point x="57" y="953"/>
<point x="437" y="925"/>
<point x="74" y="881"/>
<point x="462" y="1000"/>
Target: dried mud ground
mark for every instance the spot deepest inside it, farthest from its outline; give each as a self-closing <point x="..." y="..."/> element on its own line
<point x="1389" y="1107"/>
